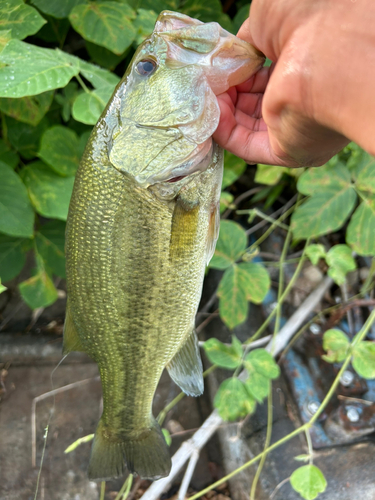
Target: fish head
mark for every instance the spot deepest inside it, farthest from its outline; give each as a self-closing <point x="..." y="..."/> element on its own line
<point x="167" y="106"/>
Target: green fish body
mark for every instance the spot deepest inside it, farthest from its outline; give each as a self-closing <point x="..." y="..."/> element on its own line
<point x="142" y="225"/>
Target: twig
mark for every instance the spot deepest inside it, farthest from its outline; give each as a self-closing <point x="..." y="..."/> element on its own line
<point x="40" y="398"/>
<point x="188" y="474"/>
<point x="209" y="303"/>
<point x="253" y="345"/>
<point x="207" y="320"/>
<point x="278" y="487"/>
<point x="278" y="212"/>
<point x="349" y="312"/>
<point x="239" y="199"/>
<point x="214" y="421"/>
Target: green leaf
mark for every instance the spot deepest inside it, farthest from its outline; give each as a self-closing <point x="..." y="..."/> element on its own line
<point x="144" y="24"/>
<point x="268" y="174"/>
<point x="366" y="177"/>
<point x="255" y="281"/>
<point x="59" y="148"/>
<point x="25" y="138"/>
<point x="230" y="245"/>
<point x="7" y="155"/>
<point x="167" y="436"/>
<point x="225" y="200"/>
<point x="83" y="141"/>
<point x="360" y="234"/>
<point x="103" y="56"/>
<point x="315" y="252"/>
<point x="31" y="70"/>
<point x="16" y="212"/>
<point x="234" y="167"/>
<point x="107" y="24"/>
<point x="57" y="8"/>
<point x="155" y="5"/>
<point x="5" y="37"/>
<point x="233" y="304"/>
<point x="261" y="361"/>
<point x="39" y="290"/>
<point x="340" y="260"/>
<point x="240" y="17"/>
<point x="88" y="107"/>
<point x="336" y="343"/>
<point x="78" y="442"/>
<point x="27" y="109"/>
<point x="50" y="241"/>
<point x="308" y="481"/>
<point x="2" y="287"/>
<point x="332" y="176"/>
<point x="232" y="400"/>
<point x="12" y="256"/>
<point x="66" y="99"/>
<point x="21" y="19"/>
<point x="323" y="213"/>
<point x="364" y="359"/>
<point x="229" y="357"/>
<point x="98" y="77"/>
<point x="258" y="386"/>
<point x="207" y="11"/>
<point x="49" y="192"/>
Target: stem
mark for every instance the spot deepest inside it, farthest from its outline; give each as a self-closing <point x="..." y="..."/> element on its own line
<point x="83" y="85"/>
<point x="367" y="283"/>
<point x="261" y="215"/>
<point x="102" y="490"/>
<point x="281" y="282"/>
<point x="266" y="444"/>
<point x="304" y="427"/>
<point x="309" y="446"/>
<point x="125" y="489"/>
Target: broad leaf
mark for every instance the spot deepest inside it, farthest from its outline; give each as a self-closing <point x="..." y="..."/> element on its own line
<point x="258" y="386"/>
<point x="366" y="177"/>
<point x="255" y="281"/>
<point x="49" y="192"/>
<point x="88" y="107"/>
<point x="207" y="11"/>
<point x="7" y="155"/>
<point x="336" y="343"/>
<point x="232" y="400"/>
<point x="59" y="148"/>
<point x="57" y="8"/>
<point x="229" y="357"/>
<point x="21" y="19"/>
<point x="39" y="290"/>
<point x="261" y="361"/>
<point x="240" y="17"/>
<point x="12" y="256"/>
<point x="332" y="176"/>
<point x="2" y="287"/>
<point x="324" y="212"/>
<point x="233" y="304"/>
<point x="340" y="260"/>
<point x="50" y="241"/>
<point x="66" y="99"/>
<point x="364" y="359"/>
<point x="104" y="57"/>
<point x="315" y="252"/>
<point x="144" y="24"/>
<point x="105" y="23"/>
<point x="16" y="212"/>
<point x="234" y="167"/>
<point x="308" y="481"/>
<point x="5" y="37"/>
<point x="98" y="77"/>
<point x="230" y="245"/>
<point x="25" y="138"/>
<point x="27" y="109"/>
<point x="268" y="174"/>
<point x="360" y="234"/>
<point x="31" y="70"/>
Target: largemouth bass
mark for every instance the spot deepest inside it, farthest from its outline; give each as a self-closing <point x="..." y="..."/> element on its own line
<point x="143" y="223"/>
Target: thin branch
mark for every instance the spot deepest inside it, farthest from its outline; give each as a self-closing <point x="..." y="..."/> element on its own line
<point x="280" y="211"/>
<point x="188" y="474"/>
<point x="278" y="487"/>
<point x="239" y="199"/>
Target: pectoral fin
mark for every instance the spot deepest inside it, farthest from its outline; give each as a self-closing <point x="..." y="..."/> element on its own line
<point x="71" y="340"/>
<point x="213" y="232"/>
<point x="185" y="368"/>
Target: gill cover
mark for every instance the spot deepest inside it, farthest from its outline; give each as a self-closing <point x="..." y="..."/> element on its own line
<point x="167" y="116"/>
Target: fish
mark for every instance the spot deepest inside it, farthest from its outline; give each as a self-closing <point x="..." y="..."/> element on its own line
<point x="142" y="225"/>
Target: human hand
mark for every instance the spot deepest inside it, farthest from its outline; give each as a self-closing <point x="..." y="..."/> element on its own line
<point x="301" y="111"/>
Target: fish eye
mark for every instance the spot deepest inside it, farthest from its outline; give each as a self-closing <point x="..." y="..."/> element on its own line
<point x="146" y="67"/>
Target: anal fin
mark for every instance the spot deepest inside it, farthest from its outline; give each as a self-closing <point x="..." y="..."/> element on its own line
<point x="71" y="341"/>
<point x="185" y="368"/>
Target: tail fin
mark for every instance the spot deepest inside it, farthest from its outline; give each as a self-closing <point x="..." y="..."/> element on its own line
<point x="146" y="455"/>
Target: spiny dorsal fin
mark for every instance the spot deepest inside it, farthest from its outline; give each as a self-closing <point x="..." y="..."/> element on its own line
<point x="71" y="340"/>
<point x="185" y="368"/>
